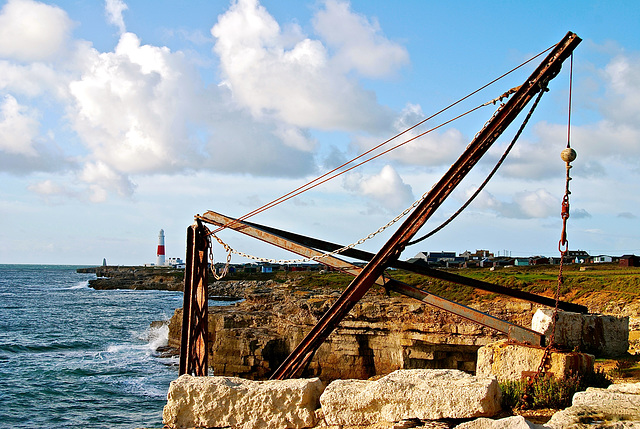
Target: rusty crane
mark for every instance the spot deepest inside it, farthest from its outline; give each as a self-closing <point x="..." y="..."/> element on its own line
<point x="193" y="353"/>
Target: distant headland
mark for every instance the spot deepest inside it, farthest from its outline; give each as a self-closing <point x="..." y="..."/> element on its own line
<point x="135" y="277"/>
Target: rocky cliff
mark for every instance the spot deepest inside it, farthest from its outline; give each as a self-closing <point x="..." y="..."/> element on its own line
<point x="382" y="333"/>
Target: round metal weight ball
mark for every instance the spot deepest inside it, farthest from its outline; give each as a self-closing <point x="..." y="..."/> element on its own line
<point x="568" y="155"/>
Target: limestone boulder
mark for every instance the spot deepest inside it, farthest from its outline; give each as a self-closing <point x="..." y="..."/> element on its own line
<point x="239" y="403"/>
<point x="506" y="361"/>
<point x="597" y="334"/>
<point x="425" y="394"/>
<point x="513" y="422"/>
<point x="615" y="407"/>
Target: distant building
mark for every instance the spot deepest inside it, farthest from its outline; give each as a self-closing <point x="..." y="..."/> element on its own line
<point x="578" y="256"/>
<point x="439" y="258"/>
<point x="175" y="263"/>
<point x="600" y="259"/>
<point x="629" y="261"/>
<point x="479" y="254"/>
<point x="539" y="260"/>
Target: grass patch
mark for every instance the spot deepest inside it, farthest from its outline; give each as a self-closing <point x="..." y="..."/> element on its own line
<point x="548" y="392"/>
<point x="319" y="281"/>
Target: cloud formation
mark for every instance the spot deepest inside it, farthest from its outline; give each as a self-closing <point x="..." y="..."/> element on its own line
<point x="538" y="204"/>
<point x="143" y="109"/>
<point x="386" y="189"/>
<point x="114" y="9"/>
<point x="18" y="128"/>
<point x="33" y="31"/>
<point x="358" y="41"/>
<point x="288" y="76"/>
<point x="614" y="136"/>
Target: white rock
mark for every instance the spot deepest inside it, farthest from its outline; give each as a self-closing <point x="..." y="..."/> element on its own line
<point x="623" y="405"/>
<point x="426" y="394"/>
<point x="610" y="408"/>
<point x="506" y="361"/>
<point x="240" y="403"/>
<point x="592" y="333"/>
<point x="513" y="422"/>
<point x="633" y="388"/>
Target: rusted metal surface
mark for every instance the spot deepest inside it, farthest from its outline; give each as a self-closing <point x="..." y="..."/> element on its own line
<point x="392" y="249"/>
<point x="193" y="344"/>
<point x="421" y="269"/>
<point x="514" y="332"/>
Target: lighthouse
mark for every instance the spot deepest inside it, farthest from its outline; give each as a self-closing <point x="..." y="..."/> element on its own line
<point x="160" y="254"/>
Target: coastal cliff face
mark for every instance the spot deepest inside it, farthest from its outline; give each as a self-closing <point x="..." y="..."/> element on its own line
<point x="252" y="337"/>
<point x="138" y="278"/>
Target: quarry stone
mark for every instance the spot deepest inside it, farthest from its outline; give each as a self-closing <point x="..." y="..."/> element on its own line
<point x="513" y="422"/>
<point x="426" y="394"/>
<point x="239" y="403"/>
<point x="506" y="361"/>
<point x="598" y="334"/>
<point x="601" y="408"/>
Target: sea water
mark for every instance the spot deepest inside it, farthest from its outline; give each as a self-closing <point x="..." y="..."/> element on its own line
<point x="75" y="357"/>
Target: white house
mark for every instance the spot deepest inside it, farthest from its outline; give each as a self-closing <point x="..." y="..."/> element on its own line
<point x="601" y="259"/>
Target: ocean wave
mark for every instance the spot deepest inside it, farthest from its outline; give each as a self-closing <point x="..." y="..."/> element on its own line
<point x="45" y="347"/>
<point x="157" y="336"/>
<point x="81" y="285"/>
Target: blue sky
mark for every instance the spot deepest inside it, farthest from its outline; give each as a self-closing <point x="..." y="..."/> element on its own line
<point x="120" y="118"/>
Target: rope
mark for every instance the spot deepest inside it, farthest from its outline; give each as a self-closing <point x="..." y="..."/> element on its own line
<point x="481" y="187"/>
<point x="316" y="258"/>
<point x="312" y="184"/>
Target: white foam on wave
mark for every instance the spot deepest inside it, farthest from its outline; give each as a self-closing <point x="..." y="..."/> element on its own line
<point x="84" y="284"/>
<point x="158" y="336"/>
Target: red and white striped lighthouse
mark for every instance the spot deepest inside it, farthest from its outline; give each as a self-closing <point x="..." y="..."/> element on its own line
<point x="160" y="254"/>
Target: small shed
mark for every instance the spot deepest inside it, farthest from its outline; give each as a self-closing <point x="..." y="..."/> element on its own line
<point x="629" y="261"/>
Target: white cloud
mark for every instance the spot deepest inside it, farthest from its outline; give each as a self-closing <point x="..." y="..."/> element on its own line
<point x="288" y="76"/>
<point x="102" y="180"/>
<point x="432" y="149"/>
<point x="31" y="80"/>
<point x="615" y="136"/>
<point x="33" y="31"/>
<point x="386" y="189"/>
<point x="538" y="204"/>
<point x="114" y="9"/>
<point x="18" y="128"/>
<point x="359" y="42"/>
<point x="622" y="75"/>
<point x="132" y="106"/>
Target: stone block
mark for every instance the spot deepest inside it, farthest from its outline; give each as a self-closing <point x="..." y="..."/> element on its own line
<point x="624" y="405"/>
<point x="231" y="401"/>
<point x="615" y="407"/>
<point x="513" y="422"/>
<point x="410" y="394"/>
<point x="597" y="334"/>
<point x="507" y="361"/>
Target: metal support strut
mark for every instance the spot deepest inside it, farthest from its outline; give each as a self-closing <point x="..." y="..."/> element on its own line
<point x="193" y="344"/>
